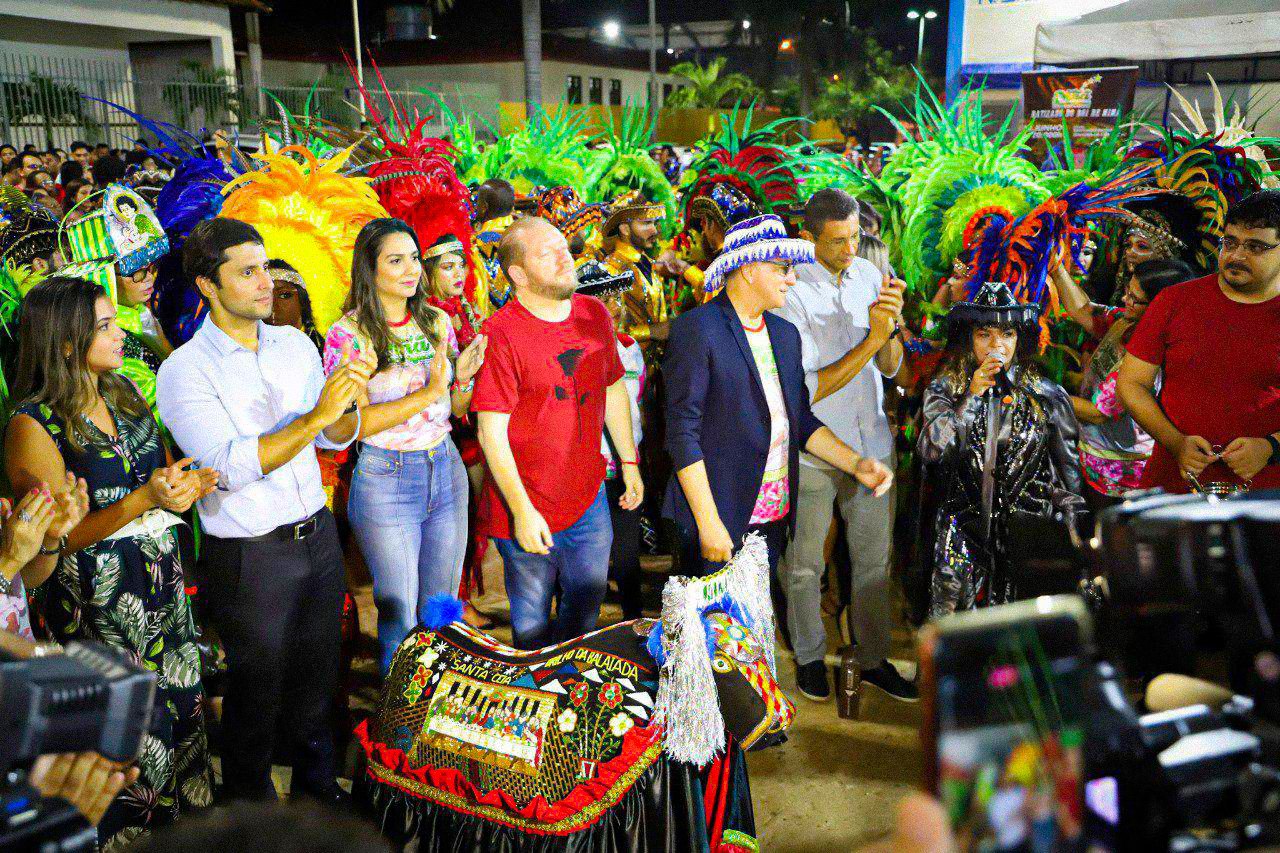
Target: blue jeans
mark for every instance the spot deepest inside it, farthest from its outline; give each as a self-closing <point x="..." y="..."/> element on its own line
<point x="408" y="511"/>
<point x="577" y="569"/>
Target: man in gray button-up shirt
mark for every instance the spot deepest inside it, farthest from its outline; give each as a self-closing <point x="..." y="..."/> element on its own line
<point x="846" y="312"/>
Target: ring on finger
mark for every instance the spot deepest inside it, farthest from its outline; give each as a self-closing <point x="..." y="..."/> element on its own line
<point x="24" y="516"/>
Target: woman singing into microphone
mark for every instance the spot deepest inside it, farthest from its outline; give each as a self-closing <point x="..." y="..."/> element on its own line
<point x="1005" y="439"/>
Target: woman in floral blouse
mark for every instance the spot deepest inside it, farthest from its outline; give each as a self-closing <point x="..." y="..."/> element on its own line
<point x="408" y="503"/>
<point x="1113" y="448"/>
<point x="120" y="580"/>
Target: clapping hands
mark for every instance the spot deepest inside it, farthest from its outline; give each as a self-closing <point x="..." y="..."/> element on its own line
<point x="25" y="527"/>
<point x="177" y="487"/>
<point x="472" y="358"/>
<point x="345" y="385"/>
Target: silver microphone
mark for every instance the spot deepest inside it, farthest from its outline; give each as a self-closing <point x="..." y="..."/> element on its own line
<point x="1002" y="385"/>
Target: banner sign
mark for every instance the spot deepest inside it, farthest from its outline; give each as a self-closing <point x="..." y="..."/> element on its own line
<point x="1087" y="101"/>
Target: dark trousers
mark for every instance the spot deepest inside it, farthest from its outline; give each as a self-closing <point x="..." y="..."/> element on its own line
<point x="624" y="559"/>
<point x="775" y="537"/>
<point x="278" y="607"/>
<point x="692" y="564"/>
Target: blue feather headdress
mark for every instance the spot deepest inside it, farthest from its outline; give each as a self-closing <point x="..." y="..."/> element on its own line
<point x="1022" y="251"/>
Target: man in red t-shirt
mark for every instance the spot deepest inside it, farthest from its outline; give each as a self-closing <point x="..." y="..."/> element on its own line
<point x="1217" y="341"/>
<point x="551" y="382"/>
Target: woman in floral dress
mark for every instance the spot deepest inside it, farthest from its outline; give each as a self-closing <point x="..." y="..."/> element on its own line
<point x="1113" y="448"/>
<point x="119" y="581"/>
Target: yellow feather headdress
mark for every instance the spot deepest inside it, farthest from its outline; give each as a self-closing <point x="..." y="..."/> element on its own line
<point x="309" y="215"/>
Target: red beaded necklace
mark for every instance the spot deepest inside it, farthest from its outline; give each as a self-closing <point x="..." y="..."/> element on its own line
<point x="759" y="328"/>
<point x="408" y="315"/>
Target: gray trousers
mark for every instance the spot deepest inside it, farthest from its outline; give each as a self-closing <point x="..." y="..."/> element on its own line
<point x="869" y="525"/>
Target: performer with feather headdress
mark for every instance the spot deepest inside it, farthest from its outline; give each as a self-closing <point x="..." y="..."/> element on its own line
<point x="741" y="174"/>
<point x="308" y="213"/>
<point x="1006" y="439"/>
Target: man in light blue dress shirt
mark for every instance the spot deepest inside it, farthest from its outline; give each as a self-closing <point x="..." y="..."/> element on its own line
<point x="847" y="313"/>
<point x="251" y="401"/>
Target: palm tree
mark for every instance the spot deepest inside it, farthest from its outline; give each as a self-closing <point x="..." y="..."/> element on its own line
<point x="708" y="89"/>
<point x="531" y="18"/>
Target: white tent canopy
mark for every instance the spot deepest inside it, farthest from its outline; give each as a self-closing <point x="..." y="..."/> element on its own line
<point x="1163" y="29"/>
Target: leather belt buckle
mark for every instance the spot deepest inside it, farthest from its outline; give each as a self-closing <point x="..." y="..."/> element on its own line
<point x="303" y="529"/>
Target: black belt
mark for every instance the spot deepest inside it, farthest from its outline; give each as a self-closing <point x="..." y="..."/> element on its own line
<point x="289" y="532"/>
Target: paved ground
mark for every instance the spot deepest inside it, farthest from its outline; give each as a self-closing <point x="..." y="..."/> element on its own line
<point x="831" y="787"/>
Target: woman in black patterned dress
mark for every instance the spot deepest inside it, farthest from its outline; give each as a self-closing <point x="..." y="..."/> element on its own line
<point x="119" y="580"/>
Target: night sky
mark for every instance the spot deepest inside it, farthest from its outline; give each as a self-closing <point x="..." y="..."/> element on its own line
<point x="330" y="20"/>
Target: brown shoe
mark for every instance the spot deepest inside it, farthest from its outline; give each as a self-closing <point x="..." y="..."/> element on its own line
<point x="475" y="618"/>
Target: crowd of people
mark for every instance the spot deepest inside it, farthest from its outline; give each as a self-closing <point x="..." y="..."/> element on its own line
<point x="241" y="375"/>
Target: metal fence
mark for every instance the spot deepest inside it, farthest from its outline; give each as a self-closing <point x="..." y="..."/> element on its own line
<point x="50" y="102"/>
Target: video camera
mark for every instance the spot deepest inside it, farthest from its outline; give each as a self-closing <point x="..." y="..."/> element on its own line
<point x="1203" y="771"/>
<point x="87" y="699"/>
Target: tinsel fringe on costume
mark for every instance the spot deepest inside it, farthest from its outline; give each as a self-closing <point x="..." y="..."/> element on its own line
<point x="687" y="703"/>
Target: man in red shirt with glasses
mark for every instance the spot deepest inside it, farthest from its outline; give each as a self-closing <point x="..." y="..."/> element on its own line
<point x="1216" y="418"/>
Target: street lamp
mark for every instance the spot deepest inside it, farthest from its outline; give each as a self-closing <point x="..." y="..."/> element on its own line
<point x="913" y="15"/>
<point x="612" y="29"/>
<point x="746" y="24"/>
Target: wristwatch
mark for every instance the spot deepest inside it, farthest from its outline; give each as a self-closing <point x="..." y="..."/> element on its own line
<point x="1274" y="459"/>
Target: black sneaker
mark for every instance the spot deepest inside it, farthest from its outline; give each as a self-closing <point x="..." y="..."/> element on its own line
<point x="887" y="679"/>
<point x="811" y="678"/>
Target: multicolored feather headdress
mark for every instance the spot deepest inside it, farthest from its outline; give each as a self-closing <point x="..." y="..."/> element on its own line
<point x="1021" y="251"/>
<point x="753" y="161"/>
<point x="951" y="173"/>
<point x="1210" y="175"/>
<point x="414" y="176"/>
<point x="309" y="214"/>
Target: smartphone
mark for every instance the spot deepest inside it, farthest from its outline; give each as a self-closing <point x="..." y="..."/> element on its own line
<point x="1004" y="723"/>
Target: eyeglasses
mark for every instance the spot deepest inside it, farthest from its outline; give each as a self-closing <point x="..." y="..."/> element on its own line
<point x="1252" y="248"/>
<point x="143" y="274"/>
<point x="783" y="267"/>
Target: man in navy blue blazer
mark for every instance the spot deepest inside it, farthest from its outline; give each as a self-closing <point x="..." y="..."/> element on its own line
<point x="737" y="406"/>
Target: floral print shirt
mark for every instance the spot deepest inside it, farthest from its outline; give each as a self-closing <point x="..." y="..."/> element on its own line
<point x="14" y="617"/>
<point x="774" y="500"/>
<point x="408" y="371"/>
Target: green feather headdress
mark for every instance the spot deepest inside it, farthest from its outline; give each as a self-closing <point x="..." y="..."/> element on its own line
<point x="950" y="170"/>
<point x="549" y="151"/>
<point x="623" y="163"/>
